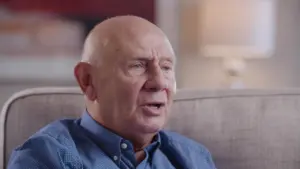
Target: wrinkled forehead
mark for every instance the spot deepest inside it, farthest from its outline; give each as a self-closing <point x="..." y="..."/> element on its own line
<point x="150" y="45"/>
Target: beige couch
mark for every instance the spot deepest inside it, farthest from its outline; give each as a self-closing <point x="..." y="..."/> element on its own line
<point x="243" y="129"/>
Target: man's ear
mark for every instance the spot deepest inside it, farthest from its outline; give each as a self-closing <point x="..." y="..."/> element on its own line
<point x="83" y="74"/>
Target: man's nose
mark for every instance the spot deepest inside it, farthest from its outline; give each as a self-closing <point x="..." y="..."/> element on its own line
<point x="156" y="80"/>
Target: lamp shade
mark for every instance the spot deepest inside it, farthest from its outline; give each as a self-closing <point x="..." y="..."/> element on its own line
<point x="237" y="28"/>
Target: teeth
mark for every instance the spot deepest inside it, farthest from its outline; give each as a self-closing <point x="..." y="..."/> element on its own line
<point x="155" y="105"/>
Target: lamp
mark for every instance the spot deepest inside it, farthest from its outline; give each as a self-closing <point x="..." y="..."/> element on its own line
<point x="237" y="30"/>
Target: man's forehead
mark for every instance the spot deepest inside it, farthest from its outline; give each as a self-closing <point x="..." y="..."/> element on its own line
<point x="148" y="46"/>
<point x="149" y="54"/>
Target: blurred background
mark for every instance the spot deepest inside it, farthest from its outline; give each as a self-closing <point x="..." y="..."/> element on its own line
<point x="220" y="44"/>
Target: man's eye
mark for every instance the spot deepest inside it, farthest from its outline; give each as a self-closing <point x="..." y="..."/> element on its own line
<point x="136" y="69"/>
<point x="138" y="65"/>
<point x="166" y="68"/>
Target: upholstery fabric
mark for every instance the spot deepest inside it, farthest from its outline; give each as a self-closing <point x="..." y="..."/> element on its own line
<point x="243" y="129"/>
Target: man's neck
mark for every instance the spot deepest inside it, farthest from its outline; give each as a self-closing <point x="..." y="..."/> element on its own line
<point x="140" y="156"/>
<point x="141" y="141"/>
<point x="140" y="144"/>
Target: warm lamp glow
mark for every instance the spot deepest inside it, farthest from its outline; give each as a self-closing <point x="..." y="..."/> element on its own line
<point x="237" y="30"/>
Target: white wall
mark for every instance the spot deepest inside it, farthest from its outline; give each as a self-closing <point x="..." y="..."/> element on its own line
<point x="280" y="71"/>
<point x="175" y="18"/>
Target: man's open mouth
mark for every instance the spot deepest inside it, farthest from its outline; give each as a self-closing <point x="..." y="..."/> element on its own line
<point x="155" y="105"/>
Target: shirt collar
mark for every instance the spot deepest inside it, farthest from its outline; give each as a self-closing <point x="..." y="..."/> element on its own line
<point x="110" y="142"/>
<point x="154" y="145"/>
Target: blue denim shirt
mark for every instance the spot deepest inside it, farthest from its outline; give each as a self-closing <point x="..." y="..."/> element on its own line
<point x="85" y="144"/>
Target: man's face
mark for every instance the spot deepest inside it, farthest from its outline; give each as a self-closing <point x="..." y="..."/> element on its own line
<point x="137" y="88"/>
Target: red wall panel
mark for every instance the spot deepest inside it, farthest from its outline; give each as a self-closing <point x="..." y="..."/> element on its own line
<point x="92" y="8"/>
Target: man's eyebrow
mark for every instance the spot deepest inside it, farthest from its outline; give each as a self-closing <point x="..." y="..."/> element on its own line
<point x="141" y="58"/>
<point x="168" y="59"/>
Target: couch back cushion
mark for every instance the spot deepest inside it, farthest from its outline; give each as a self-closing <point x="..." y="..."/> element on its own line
<point x="243" y="129"/>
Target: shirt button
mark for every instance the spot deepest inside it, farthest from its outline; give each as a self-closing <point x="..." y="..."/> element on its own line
<point x="124" y="145"/>
<point x="115" y="158"/>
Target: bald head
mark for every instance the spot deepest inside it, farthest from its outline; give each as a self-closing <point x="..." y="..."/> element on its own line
<point x="108" y="36"/>
<point x="134" y="68"/>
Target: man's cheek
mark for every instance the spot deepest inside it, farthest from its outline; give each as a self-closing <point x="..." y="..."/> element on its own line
<point x="129" y="92"/>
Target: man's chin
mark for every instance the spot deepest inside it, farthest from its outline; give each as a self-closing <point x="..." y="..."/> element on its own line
<point x="149" y="128"/>
<point x="150" y="125"/>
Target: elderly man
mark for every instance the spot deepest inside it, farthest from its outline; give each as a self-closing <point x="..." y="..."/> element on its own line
<point x="127" y="77"/>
